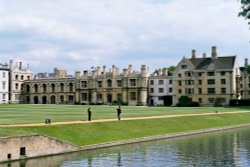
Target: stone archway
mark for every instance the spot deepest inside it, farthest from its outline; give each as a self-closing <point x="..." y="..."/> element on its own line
<point x="52" y="99"/>
<point x="36" y="101"/>
<point x="44" y="100"/>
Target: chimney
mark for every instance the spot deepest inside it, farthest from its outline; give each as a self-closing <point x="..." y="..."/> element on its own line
<point x="85" y="73"/>
<point x="11" y="64"/>
<point x="204" y="55"/>
<point x="130" y="69"/>
<point x="104" y="70"/>
<point x="165" y="72"/>
<point x="246" y="62"/>
<point x="193" y="54"/>
<point x="20" y="65"/>
<point x="113" y="70"/>
<point x="125" y="72"/>
<point x="77" y="74"/>
<point x="214" y="52"/>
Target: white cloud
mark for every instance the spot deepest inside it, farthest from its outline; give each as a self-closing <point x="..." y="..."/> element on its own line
<point x="97" y="32"/>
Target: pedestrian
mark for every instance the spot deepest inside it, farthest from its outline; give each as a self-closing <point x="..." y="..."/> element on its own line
<point x="89" y="114"/>
<point x="119" y="111"/>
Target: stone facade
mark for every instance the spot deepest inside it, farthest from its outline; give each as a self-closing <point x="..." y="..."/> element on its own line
<point x="205" y="79"/>
<point x="245" y="81"/>
<point x="91" y="87"/>
<point x="13" y="148"/>
<point x="160" y="88"/>
<point x="18" y="75"/>
<point x="4" y="83"/>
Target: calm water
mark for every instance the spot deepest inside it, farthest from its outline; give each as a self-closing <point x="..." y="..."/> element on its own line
<point x="220" y="149"/>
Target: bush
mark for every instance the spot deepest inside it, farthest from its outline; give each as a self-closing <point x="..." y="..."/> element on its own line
<point x="185" y="101"/>
<point x="242" y="102"/>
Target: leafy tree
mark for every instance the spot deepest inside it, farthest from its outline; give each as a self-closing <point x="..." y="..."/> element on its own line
<point x="171" y="70"/>
<point x="245" y="9"/>
<point x="248" y="69"/>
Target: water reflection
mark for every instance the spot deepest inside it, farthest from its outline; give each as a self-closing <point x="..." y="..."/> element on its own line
<point x="220" y="149"/>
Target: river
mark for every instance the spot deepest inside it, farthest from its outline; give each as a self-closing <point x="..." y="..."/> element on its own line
<point x="229" y="148"/>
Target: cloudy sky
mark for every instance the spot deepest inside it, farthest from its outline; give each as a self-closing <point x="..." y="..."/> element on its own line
<point x="78" y="34"/>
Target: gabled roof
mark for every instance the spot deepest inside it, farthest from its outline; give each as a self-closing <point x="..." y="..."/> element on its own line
<point x="219" y="62"/>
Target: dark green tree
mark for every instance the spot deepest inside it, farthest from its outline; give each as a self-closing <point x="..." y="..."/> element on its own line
<point x="245" y="9"/>
<point x="171" y="70"/>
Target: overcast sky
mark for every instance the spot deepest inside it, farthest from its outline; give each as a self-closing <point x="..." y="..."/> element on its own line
<point x="78" y="34"/>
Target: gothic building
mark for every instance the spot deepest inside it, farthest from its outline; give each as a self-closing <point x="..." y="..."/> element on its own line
<point x="206" y="79"/>
<point x="90" y="87"/>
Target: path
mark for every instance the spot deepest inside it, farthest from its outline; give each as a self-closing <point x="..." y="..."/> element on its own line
<point x="110" y="120"/>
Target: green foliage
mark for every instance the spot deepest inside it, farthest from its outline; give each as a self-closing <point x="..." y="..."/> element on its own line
<point x="248" y="69"/>
<point x="218" y="102"/>
<point x="185" y="101"/>
<point x="245" y="9"/>
<point x="171" y="70"/>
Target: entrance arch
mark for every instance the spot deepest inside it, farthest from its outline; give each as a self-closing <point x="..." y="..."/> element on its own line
<point x="53" y="99"/>
<point x="44" y="100"/>
<point x="36" y="100"/>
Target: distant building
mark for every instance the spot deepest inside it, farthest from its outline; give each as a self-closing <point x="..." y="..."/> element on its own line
<point x="206" y="79"/>
<point x="160" y="88"/>
<point x="4" y="84"/>
<point x="91" y="87"/>
<point x="245" y="81"/>
<point x="18" y="74"/>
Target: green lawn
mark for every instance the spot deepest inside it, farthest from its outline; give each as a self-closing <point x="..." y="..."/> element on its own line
<point x="84" y="134"/>
<point x="23" y="113"/>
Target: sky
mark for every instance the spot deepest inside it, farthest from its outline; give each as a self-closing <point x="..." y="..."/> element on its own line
<point x="76" y="35"/>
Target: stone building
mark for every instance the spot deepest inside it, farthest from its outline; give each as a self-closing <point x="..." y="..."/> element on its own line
<point x="91" y="87"/>
<point x="160" y="88"/>
<point x="17" y="76"/>
<point x="4" y="83"/>
<point x="245" y="81"/>
<point x="206" y="79"/>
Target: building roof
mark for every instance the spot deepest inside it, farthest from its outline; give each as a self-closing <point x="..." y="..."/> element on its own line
<point x="219" y="62"/>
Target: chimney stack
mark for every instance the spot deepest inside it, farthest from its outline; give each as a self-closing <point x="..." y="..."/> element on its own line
<point x="193" y="54"/>
<point x="214" y="52"/>
<point x="246" y="62"/>
<point x="204" y="55"/>
<point x="20" y="65"/>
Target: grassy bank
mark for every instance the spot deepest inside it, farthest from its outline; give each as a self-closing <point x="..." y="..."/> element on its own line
<point x="23" y="113"/>
<point x="84" y="134"/>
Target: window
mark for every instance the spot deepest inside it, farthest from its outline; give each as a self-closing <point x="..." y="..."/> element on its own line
<point x="151" y="90"/>
<point x="119" y="97"/>
<point x="200" y="100"/>
<point x="22" y="77"/>
<point x="151" y="82"/>
<point x="179" y="91"/>
<point x="99" y="97"/>
<point x="132" y="82"/>
<point x="160" y="98"/>
<point x="71" y="98"/>
<point x="109" y="83"/>
<point x="161" y="90"/>
<point x="189" y="91"/>
<point x="200" y="82"/>
<point x="84" y="97"/>
<point x="189" y="82"/>
<point x="132" y="95"/>
<point x="16" y="86"/>
<point x="61" y="87"/>
<point x="22" y="151"/>
<point x="36" y="88"/>
<point x="99" y="84"/>
<point x="170" y="90"/>
<point x="210" y="73"/>
<point x="200" y="90"/>
<point x="16" y="77"/>
<point x="248" y="93"/>
<point x="188" y="74"/>
<point x="179" y="75"/>
<point x="44" y="88"/>
<point x="179" y="82"/>
<point x="4" y="97"/>
<point x="119" y="83"/>
<point x="28" y="77"/>
<point x="210" y="81"/>
<point x="71" y="87"/>
<point x="170" y="82"/>
<point x="3" y="85"/>
<point x="211" y="90"/>
<point x="223" y="90"/>
<point x="200" y="74"/>
<point x="4" y="74"/>
<point x="84" y="84"/>
<point x="223" y="73"/>
<point x="52" y="87"/>
<point x="223" y="81"/>
<point x="211" y="100"/>
<point x="184" y="66"/>
<point x="160" y="82"/>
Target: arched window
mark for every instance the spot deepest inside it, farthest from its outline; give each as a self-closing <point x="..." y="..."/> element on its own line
<point x="22" y="77"/>
<point x="16" y="77"/>
<point x="36" y="87"/>
<point x="71" y="87"/>
<point x="109" y="83"/>
<point x="52" y="87"/>
<point x="44" y="88"/>
<point x="61" y="87"/>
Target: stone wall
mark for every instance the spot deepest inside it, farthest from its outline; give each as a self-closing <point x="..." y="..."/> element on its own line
<point x="13" y="148"/>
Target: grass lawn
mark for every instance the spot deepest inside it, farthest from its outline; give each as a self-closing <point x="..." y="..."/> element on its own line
<point x="23" y="113"/>
<point x="84" y="134"/>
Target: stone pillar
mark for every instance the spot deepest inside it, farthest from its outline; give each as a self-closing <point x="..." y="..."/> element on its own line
<point x="143" y="94"/>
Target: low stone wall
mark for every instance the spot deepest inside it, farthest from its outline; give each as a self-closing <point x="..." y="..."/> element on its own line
<point x="20" y="147"/>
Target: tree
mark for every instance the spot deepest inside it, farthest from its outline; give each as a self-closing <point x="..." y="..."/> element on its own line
<point x="171" y="70"/>
<point x="245" y="9"/>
